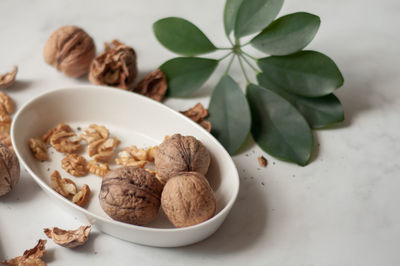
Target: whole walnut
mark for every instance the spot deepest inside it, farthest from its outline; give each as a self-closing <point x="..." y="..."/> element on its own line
<point x="187" y="199"/>
<point x="116" y="67"/>
<point x="71" y="50"/>
<point x="9" y="169"/>
<point x="181" y="154"/>
<point x="131" y="195"/>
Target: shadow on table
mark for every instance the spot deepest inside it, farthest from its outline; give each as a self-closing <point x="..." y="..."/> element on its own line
<point x="241" y="230"/>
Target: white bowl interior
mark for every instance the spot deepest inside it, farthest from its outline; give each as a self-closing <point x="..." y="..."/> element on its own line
<point x="133" y="119"/>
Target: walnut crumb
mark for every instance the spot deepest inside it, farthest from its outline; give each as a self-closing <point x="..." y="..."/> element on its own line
<point x="262" y="161"/>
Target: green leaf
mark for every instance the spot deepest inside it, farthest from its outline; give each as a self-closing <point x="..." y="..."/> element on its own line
<point x="182" y="37"/>
<point x="277" y="126"/>
<point x="319" y="112"/>
<point x="229" y="114"/>
<point x="306" y="73"/>
<point x="230" y="13"/>
<point x="254" y="15"/>
<point x="287" y="34"/>
<point x="186" y="74"/>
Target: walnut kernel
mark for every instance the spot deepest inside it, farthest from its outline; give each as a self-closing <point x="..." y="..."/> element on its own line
<point x="82" y="197"/>
<point x="64" y="186"/>
<point x="61" y="127"/>
<point x="38" y="148"/>
<point x="5" y="138"/>
<point x="97" y="168"/>
<point x="65" y="142"/>
<point x="75" y="164"/>
<point x="6" y="103"/>
<point x="95" y="132"/>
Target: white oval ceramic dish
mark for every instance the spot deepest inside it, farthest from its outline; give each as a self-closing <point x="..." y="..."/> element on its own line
<point x="135" y="120"/>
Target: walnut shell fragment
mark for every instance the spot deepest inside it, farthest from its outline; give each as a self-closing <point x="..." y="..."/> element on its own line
<point x="31" y="257"/>
<point x="115" y="67"/>
<point x="131" y="195"/>
<point x="70" y="50"/>
<point x="181" y="154"/>
<point x="187" y="199"/>
<point x="198" y="114"/>
<point x="69" y="238"/>
<point x="154" y="85"/>
<point x="9" y="170"/>
<point x="8" y="79"/>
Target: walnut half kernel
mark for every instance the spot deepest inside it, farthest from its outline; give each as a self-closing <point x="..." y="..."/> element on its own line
<point x="75" y="164"/>
<point x="39" y="149"/>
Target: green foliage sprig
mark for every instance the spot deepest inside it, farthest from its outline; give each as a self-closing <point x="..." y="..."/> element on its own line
<point x="295" y="87"/>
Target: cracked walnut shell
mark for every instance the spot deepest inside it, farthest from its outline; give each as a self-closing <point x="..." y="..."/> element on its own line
<point x="187" y="199"/>
<point x="82" y="197"/>
<point x="181" y="154"/>
<point x="38" y="148"/>
<point x="70" y="50"/>
<point x="69" y="238"/>
<point x="154" y="85"/>
<point x="115" y="67"/>
<point x="9" y="170"/>
<point x="31" y="257"/>
<point x="131" y="195"/>
<point x="75" y="164"/>
<point x="8" y="79"/>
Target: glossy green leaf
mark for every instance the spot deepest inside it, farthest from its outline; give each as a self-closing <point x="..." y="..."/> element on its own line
<point x="306" y="73"/>
<point x="278" y="127"/>
<point x="319" y="112"/>
<point x="186" y="74"/>
<point x="182" y="37"/>
<point x="230" y="13"/>
<point x="229" y="114"/>
<point x="287" y="34"/>
<point x="255" y="15"/>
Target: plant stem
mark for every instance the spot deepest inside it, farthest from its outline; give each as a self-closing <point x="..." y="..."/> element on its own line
<point x="243" y="70"/>
<point x="225" y="56"/>
<point x="249" y="56"/>
<point x="224" y="48"/>
<point x="229" y="64"/>
<point x="248" y="62"/>
<point x="245" y="44"/>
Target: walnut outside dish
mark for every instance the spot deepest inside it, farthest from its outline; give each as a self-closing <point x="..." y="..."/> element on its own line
<point x="92" y="106"/>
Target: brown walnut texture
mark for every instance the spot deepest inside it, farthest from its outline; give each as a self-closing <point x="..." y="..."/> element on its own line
<point x="181" y="154"/>
<point x="9" y="170"/>
<point x="70" y="50"/>
<point x="8" y="79"/>
<point x="187" y="199"/>
<point x="116" y="67"/>
<point x="69" y="238"/>
<point x="130" y="194"/>
<point x="154" y="85"/>
<point x="198" y="114"/>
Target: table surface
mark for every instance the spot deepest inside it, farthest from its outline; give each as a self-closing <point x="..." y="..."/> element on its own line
<point x="342" y="209"/>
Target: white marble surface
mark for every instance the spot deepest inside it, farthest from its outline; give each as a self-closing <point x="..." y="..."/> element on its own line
<point x="342" y="209"/>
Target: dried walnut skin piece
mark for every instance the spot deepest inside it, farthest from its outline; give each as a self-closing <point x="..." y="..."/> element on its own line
<point x="31" y="257"/>
<point x="181" y="154"/>
<point x="115" y="67"/>
<point x="9" y="170"/>
<point x="131" y="195"/>
<point x="187" y="199"/>
<point x="8" y="79"/>
<point x="70" y="50"/>
<point x="69" y="238"/>
<point x="154" y="85"/>
<point x="75" y="165"/>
